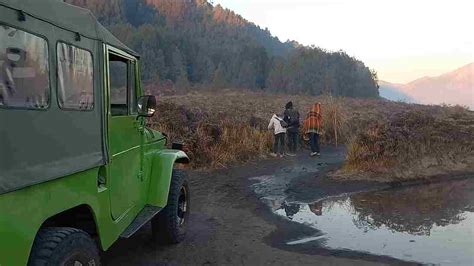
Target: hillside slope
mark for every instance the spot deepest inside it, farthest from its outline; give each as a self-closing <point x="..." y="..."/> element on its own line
<point x="192" y="43"/>
<point x="394" y="92"/>
<point x="455" y="87"/>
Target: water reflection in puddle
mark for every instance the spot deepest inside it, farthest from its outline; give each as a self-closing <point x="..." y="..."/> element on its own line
<point x="427" y="224"/>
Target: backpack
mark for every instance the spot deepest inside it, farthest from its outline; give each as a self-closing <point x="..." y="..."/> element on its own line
<point x="282" y="122"/>
<point x="293" y="118"/>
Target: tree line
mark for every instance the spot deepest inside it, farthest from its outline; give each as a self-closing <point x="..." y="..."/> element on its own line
<point x="193" y="42"/>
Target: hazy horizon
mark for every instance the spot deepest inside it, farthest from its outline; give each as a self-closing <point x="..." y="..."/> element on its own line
<point x="402" y="40"/>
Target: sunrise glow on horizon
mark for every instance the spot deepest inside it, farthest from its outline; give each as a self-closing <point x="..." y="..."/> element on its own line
<point x="402" y="40"/>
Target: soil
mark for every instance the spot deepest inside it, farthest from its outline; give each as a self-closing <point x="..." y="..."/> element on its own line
<point x="230" y="224"/>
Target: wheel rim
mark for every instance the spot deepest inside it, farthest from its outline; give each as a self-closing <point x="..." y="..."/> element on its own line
<point x="182" y="206"/>
<point x="79" y="260"/>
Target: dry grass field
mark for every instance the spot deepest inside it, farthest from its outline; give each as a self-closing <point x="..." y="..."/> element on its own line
<point x="385" y="140"/>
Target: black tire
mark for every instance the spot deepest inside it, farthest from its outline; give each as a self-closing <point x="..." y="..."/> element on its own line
<point x="63" y="246"/>
<point x="169" y="226"/>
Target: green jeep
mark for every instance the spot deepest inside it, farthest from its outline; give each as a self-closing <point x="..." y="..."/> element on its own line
<point x="78" y="166"/>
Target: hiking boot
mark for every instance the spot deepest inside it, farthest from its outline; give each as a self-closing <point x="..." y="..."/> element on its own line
<point x="273" y="154"/>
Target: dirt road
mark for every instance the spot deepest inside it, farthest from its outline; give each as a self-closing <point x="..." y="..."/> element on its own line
<point x="230" y="225"/>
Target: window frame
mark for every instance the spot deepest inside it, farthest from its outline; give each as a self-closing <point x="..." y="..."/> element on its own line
<point x="130" y="61"/>
<point x="49" y="59"/>
<point x="133" y="108"/>
<point x="57" y="77"/>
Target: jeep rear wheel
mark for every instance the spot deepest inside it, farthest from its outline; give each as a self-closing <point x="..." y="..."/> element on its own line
<point x="64" y="246"/>
<point x="170" y="224"/>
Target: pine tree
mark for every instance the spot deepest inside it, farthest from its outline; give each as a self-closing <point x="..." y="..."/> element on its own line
<point x="219" y="81"/>
<point x="178" y="66"/>
<point x="182" y="82"/>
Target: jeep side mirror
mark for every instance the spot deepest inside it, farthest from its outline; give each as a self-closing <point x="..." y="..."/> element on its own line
<point x="146" y="106"/>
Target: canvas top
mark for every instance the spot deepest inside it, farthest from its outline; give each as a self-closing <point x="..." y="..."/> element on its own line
<point x="68" y="17"/>
<point x="39" y="140"/>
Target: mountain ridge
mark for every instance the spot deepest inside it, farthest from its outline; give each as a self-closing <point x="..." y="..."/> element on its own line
<point x="192" y="44"/>
<point x="453" y="87"/>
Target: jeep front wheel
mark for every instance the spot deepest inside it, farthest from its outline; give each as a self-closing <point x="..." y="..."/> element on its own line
<point x="170" y="224"/>
<point x="64" y="246"/>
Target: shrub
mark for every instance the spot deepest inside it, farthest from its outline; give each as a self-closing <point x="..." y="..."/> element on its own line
<point x="413" y="141"/>
<point x="211" y="141"/>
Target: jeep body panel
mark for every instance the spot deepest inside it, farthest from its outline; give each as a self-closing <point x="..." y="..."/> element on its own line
<point x="161" y="170"/>
<point x="23" y="212"/>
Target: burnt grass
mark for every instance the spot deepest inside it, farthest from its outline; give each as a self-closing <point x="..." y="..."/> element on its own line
<point x="386" y="141"/>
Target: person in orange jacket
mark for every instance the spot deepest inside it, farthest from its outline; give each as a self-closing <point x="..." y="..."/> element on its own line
<point x="312" y="128"/>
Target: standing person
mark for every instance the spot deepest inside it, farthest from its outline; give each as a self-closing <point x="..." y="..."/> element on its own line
<point x="292" y="118"/>
<point x="278" y="125"/>
<point x="312" y="127"/>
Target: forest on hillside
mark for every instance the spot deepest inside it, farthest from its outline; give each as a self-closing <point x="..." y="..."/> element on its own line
<point x="194" y="43"/>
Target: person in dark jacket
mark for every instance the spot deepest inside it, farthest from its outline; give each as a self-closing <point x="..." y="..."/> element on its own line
<point x="292" y="118"/>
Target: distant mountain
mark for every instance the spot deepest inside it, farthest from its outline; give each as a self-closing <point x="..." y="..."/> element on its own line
<point x="456" y="87"/>
<point x="394" y="92"/>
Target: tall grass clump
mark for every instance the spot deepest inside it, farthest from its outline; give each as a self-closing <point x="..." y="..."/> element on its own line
<point x="238" y="142"/>
<point x="212" y="140"/>
<point x="335" y="127"/>
<point x="413" y="143"/>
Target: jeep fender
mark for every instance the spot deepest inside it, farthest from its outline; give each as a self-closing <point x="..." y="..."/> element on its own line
<point x="160" y="177"/>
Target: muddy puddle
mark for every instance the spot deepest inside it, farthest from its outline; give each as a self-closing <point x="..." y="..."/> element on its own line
<point x="430" y="224"/>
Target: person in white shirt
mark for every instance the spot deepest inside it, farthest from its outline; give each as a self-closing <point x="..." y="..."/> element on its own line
<point x="278" y="125"/>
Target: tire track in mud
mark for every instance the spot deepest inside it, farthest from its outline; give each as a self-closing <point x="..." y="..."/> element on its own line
<point x="231" y="224"/>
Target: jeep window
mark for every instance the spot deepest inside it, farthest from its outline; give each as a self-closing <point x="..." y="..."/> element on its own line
<point x="118" y="72"/>
<point x="24" y="70"/>
<point x="75" y="78"/>
<point x="123" y="91"/>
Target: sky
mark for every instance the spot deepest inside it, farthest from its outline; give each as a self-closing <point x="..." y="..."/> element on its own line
<point x="401" y="39"/>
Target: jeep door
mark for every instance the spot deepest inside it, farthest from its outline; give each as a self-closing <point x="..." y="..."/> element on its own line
<point x="125" y="136"/>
